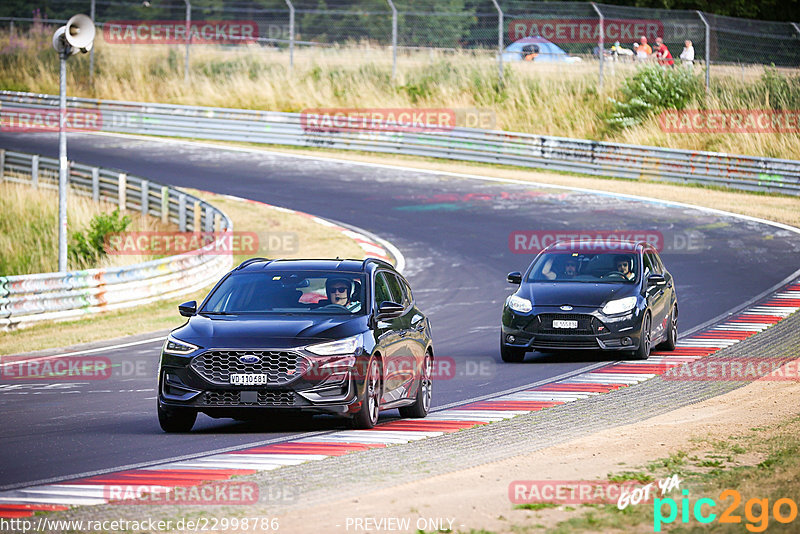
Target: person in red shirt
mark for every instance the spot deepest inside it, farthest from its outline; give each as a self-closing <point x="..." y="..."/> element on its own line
<point x="662" y="53"/>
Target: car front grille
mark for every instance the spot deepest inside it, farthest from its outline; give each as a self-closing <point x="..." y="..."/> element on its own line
<point x="587" y="324"/>
<point x="281" y="367"/>
<point x="232" y="398"/>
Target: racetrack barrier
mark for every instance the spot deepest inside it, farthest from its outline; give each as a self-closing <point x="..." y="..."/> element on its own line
<point x="26" y="299"/>
<point x="618" y="160"/>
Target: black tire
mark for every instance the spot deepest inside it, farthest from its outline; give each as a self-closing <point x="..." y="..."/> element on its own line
<point x="422" y="402"/>
<point x="645" y="340"/>
<point x="672" y="331"/>
<point x="510" y="354"/>
<point x="176" y="420"/>
<point x="367" y="416"/>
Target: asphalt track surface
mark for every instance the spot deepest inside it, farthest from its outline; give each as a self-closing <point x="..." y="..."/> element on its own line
<point x="454" y="233"/>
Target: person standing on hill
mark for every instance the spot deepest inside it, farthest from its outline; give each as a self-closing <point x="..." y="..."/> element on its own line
<point x="643" y="51"/>
<point x="687" y="56"/>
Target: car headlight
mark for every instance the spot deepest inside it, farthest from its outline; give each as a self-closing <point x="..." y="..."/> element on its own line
<point x="347" y="345"/>
<point x="614" y="307"/>
<point x="519" y="304"/>
<point x="176" y="346"/>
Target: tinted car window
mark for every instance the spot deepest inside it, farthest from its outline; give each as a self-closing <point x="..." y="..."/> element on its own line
<point x="285" y="292"/>
<point x="407" y="291"/>
<point x="382" y="292"/>
<point x="394" y="287"/>
<point x="648" y="264"/>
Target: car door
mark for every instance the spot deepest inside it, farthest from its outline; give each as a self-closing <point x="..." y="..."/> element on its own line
<point x="400" y="371"/>
<point x="389" y="334"/>
<point x="415" y="336"/>
<point x="657" y="296"/>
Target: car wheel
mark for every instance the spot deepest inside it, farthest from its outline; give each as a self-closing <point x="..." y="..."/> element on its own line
<point x="645" y="340"/>
<point x="424" y="392"/>
<point x="510" y="354"/>
<point x="672" y="331"/>
<point x="367" y="416"/>
<point x="176" y="420"/>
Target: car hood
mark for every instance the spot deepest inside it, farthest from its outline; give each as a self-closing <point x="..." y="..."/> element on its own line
<point x="243" y="331"/>
<point x="574" y="294"/>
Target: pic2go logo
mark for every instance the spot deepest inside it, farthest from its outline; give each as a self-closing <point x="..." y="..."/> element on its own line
<point x="756" y="511"/>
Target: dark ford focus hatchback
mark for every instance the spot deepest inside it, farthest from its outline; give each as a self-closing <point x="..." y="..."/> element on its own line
<point x="578" y="295"/>
<point x="318" y="336"/>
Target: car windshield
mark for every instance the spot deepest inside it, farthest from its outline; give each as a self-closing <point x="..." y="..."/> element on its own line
<point x="566" y="266"/>
<point x="292" y="292"/>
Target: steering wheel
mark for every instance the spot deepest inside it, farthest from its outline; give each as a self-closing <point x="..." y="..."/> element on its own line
<point x="615" y="274"/>
<point x="333" y="307"/>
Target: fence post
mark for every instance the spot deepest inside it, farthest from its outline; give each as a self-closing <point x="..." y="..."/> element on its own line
<point x="182" y="212"/>
<point x="164" y="204"/>
<point x="35" y="171"/>
<point x="91" y="52"/>
<point x="122" y="190"/>
<point x="796" y="27"/>
<point x="197" y="211"/>
<point x="95" y="184"/>
<point x="188" y="40"/>
<point x="500" y="25"/>
<point x="145" y="200"/>
<point x="600" y="42"/>
<point x="394" y="39"/>
<point x="291" y="35"/>
<point x="708" y="49"/>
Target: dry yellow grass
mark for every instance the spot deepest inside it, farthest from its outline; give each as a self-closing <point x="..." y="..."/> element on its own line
<point x="29" y="228"/>
<point x="546" y="99"/>
<point x="314" y="241"/>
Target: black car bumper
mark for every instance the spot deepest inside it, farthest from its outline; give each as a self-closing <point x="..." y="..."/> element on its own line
<point x="594" y="331"/>
<point x="308" y="386"/>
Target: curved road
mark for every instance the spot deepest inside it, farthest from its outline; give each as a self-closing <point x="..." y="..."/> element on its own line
<point x="454" y="233"/>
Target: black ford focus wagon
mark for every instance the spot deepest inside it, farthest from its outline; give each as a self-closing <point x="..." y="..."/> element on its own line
<point x="340" y="337"/>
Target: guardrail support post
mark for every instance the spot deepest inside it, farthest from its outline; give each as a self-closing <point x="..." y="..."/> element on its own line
<point x="500" y="25"/>
<point x="708" y="49"/>
<point x="95" y="184"/>
<point x="217" y="222"/>
<point x="123" y="190"/>
<point x="600" y="42"/>
<point x="2" y="164"/>
<point x="209" y="218"/>
<point x="165" y="204"/>
<point x="182" y="212"/>
<point x="291" y="35"/>
<point x="394" y="39"/>
<point x="145" y="201"/>
<point x="35" y="171"/>
<point x="197" y="212"/>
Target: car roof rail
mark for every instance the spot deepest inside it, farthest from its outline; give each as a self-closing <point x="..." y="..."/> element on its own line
<point x="379" y="261"/>
<point x="248" y="261"/>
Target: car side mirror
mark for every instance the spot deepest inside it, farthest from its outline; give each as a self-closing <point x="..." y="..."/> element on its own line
<point x="188" y="309"/>
<point x="514" y="278"/>
<point x="656" y="280"/>
<point x="389" y="310"/>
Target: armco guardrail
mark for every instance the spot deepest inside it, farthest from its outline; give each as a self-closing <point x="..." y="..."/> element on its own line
<point x="466" y="144"/>
<point x="25" y="299"/>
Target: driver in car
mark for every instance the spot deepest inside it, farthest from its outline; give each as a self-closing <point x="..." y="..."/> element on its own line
<point x="340" y="293"/>
<point x="624" y="265"/>
<point x="571" y="268"/>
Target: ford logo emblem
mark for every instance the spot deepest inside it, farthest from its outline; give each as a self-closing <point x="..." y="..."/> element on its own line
<point x="566" y="308"/>
<point x="249" y="358"/>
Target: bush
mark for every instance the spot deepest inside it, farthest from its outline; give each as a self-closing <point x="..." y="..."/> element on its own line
<point x="87" y="247"/>
<point x="651" y="90"/>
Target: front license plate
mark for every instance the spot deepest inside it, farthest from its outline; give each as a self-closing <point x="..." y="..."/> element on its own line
<point x="248" y="380"/>
<point x="564" y="324"/>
